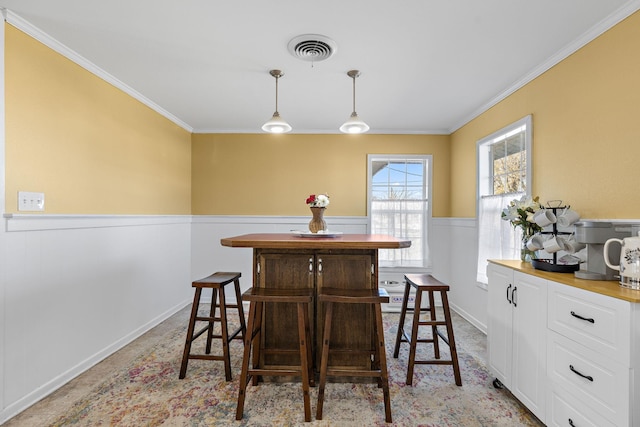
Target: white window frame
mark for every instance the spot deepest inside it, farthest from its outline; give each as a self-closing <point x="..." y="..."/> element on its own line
<point x="484" y="181"/>
<point x="428" y="182"/>
<point x="485" y="170"/>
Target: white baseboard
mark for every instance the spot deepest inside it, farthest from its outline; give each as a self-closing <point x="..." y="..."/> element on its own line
<point x="45" y="389"/>
<point x="469" y="318"/>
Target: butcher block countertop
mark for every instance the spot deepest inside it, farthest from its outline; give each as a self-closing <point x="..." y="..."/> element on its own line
<point x="293" y="241"/>
<point x="603" y="287"/>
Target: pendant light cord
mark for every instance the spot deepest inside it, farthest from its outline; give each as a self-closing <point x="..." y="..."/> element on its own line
<point x="277" y="77"/>
<point x="354" y="94"/>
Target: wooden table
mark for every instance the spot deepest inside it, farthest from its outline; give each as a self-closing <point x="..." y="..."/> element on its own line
<point x="286" y="260"/>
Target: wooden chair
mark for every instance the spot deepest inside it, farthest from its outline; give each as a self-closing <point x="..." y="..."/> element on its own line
<point x="426" y="283"/>
<point x="217" y="283"/>
<point x="374" y="297"/>
<point x="257" y="298"/>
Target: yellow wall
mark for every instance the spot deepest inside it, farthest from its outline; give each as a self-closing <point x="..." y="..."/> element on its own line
<point x="586" y="130"/>
<point x="91" y="148"/>
<point x="273" y="174"/>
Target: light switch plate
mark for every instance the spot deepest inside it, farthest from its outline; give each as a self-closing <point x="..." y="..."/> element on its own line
<point x="30" y="201"/>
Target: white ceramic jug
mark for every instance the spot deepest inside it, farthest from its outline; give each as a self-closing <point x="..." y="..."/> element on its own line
<point x="629" y="267"/>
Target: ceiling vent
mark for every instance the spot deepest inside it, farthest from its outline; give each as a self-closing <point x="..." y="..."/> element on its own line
<point x="312" y="47"/>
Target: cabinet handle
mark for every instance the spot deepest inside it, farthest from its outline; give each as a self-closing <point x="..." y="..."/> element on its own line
<point x="508" y="298"/>
<point x="513" y="296"/>
<point x="310" y="265"/>
<point x="571" y="423"/>
<point x="319" y="265"/>
<point x="586" y="319"/>
<point x="588" y="377"/>
<point x="258" y="268"/>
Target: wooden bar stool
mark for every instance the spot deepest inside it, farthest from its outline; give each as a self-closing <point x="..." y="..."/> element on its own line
<point x="375" y="297"/>
<point x="216" y="282"/>
<point x="426" y="283"/>
<point x="257" y="297"/>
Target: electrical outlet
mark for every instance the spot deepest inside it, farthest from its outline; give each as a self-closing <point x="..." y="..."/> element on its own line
<point x="30" y="201"/>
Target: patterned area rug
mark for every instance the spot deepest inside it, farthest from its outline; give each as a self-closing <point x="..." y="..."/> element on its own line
<point x="149" y="393"/>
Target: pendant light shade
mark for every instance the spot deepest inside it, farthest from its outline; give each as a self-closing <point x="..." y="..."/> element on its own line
<point x="276" y="124"/>
<point x="354" y="124"/>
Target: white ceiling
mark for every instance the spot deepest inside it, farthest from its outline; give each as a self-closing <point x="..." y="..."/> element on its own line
<point x="428" y="66"/>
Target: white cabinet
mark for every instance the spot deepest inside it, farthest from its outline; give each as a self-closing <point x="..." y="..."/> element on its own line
<point x="589" y="354"/>
<point x="567" y="348"/>
<point x="517" y="337"/>
<point x="499" y="318"/>
<point x="564" y="410"/>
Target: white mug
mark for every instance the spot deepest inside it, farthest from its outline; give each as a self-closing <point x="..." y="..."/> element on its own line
<point x="629" y="266"/>
<point x="572" y="246"/>
<point x="554" y="244"/>
<point x="567" y="218"/>
<point x="544" y="217"/>
<point x="535" y="242"/>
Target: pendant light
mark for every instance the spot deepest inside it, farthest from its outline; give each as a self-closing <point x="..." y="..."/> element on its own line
<point x="276" y="124"/>
<point x="354" y="124"/>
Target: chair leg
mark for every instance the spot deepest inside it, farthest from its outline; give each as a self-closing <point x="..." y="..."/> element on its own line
<point x="375" y="363"/>
<point x="212" y="322"/>
<point x="382" y="357"/>
<point x="257" y="340"/>
<point x="452" y="341"/>
<point x="434" y="328"/>
<point x="244" y="380"/>
<point x="304" y="361"/>
<point x="307" y="331"/>
<point x="414" y="337"/>
<point x="224" y="327"/>
<point x="403" y="313"/>
<point x="192" y="322"/>
<point x="324" y="360"/>
<point x="243" y="325"/>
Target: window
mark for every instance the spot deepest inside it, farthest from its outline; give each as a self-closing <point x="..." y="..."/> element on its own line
<point x="503" y="161"/>
<point x="399" y="192"/>
<point x="504" y="174"/>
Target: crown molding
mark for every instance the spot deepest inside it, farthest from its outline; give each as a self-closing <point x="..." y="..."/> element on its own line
<point x="44" y="38"/>
<point x="588" y="36"/>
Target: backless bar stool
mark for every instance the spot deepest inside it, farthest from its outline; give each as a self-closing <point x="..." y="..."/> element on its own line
<point x="426" y="283"/>
<point x="216" y="282"/>
<point x="374" y="297"/>
<point x="257" y="297"/>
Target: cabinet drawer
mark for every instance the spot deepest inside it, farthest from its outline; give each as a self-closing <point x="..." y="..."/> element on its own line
<point x="596" y="321"/>
<point x="597" y="381"/>
<point x="565" y="410"/>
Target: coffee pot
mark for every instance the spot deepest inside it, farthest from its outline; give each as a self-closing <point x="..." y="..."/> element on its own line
<point x="629" y="267"/>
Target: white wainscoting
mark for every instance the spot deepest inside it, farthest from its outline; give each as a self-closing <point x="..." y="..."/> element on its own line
<point x="467" y="297"/>
<point x="74" y="289"/>
<point x="452" y="244"/>
<point x="209" y="256"/>
<point x="77" y="288"/>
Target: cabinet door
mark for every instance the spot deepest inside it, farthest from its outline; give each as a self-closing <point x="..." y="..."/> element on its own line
<point x="529" y="371"/>
<point x="283" y="270"/>
<point x="352" y="324"/>
<point x="499" y="319"/>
